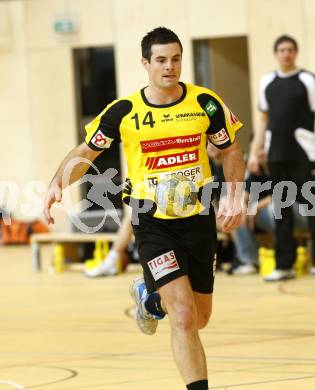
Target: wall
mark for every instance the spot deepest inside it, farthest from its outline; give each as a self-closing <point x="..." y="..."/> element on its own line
<point x="14" y="93"/>
<point x="229" y="76"/>
<point x="213" y="19"/>
<point x="16" y="142"/>
<point x="268" y="19"/>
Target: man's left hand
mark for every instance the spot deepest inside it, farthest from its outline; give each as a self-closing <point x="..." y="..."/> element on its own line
<point x="230" y="211"/>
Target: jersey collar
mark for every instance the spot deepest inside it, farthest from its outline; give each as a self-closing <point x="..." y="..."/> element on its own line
<point x="165" y="105"/>
<point x="284" y="75"/>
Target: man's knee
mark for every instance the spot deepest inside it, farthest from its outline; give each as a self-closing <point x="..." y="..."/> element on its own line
<point x="203" y="319"/>
<point x="183" y="315"/>
<point x="204" y="308"/>
<point x="186" y="320"/>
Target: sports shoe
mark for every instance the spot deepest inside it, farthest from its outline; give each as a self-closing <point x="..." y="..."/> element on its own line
<point x="108" y="267"/>
<point x="146" y="322"/>
<point x="243" y="269"/>
<point x="103" y="269"/>
<point x="280" y="274"/>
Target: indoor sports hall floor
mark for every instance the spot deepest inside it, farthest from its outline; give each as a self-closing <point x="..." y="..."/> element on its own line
<point x="64" y="331"/>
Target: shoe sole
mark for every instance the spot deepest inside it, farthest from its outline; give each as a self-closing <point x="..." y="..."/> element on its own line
<point x="279" y="280"/>
<point x="244" y="273"/>
<point x="93" y="276"/>
<point x="133" y="291"/>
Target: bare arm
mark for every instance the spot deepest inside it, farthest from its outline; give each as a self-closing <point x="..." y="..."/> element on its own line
<point x="257" y="143"/>
<point x="78" y="170"/>
<point x="233" y="163"/>
<point x="54" y="192"/>
<point x="233" y="167"/>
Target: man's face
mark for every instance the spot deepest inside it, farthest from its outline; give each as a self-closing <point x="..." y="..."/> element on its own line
<point x="286" y="54"/>
<point x="165" y="65"/>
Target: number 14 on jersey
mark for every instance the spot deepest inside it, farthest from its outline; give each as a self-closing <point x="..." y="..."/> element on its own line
<point x="147" y="120"/>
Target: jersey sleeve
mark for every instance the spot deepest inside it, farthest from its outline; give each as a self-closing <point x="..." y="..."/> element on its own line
<point x="264" y="82"/>
<point x="308" y="79"/>
<point x="223" y="123"/>
<point x="263" y="103"/>
<point x="105" y="128"/>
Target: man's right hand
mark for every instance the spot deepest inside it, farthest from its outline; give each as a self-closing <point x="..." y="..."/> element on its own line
<point x="54" y="194"/>
<point x="253" y="164"/>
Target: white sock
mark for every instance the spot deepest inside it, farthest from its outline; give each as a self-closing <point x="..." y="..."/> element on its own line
<point x="111" y="259"/>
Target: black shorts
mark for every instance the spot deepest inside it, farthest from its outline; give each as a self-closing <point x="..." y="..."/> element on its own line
<point x="169" y="249"/>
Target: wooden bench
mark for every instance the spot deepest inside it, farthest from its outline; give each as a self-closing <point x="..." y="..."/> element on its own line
<point x="43" y="238"/>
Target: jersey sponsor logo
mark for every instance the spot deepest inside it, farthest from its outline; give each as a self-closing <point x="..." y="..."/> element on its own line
<point x="189" y="116"/>
<point x="151" y="182"/>
<point x="101" y="141"/>
<point x="163" y="265"/>
<point x="211" y="108"/>
<point x="172" y="160"/>
<point x="192" y="173"/>
<point x="167" y="118"/>
<point x="233" y="118"/>
<point x="219" y="138"/>
<point x="179" y="142"/>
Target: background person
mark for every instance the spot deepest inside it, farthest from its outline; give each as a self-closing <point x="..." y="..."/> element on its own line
<point x="287" y="104"/>
<point x="246" y="240"/>
<point x="111" y="264"/>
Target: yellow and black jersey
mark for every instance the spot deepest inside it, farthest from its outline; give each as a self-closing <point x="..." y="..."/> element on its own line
<point x="159" y="140"/>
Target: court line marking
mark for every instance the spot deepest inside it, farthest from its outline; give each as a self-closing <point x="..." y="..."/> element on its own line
<point x="227" y="387"/>
<point x="73" y="374"/>
<point x="13" y="384"/>
<point x="283" y="290"/>
<point x="111" y="384"/>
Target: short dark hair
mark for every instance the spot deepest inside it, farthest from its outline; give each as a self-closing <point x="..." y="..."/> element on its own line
<point x="159" y="35"/>
<point x="285" y="38"/>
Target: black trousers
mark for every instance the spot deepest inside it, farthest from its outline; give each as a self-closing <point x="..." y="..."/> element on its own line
<point x="298" y="173"/>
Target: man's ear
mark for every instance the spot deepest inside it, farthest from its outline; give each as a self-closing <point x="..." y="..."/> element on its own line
<point x="144" y="62"/>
